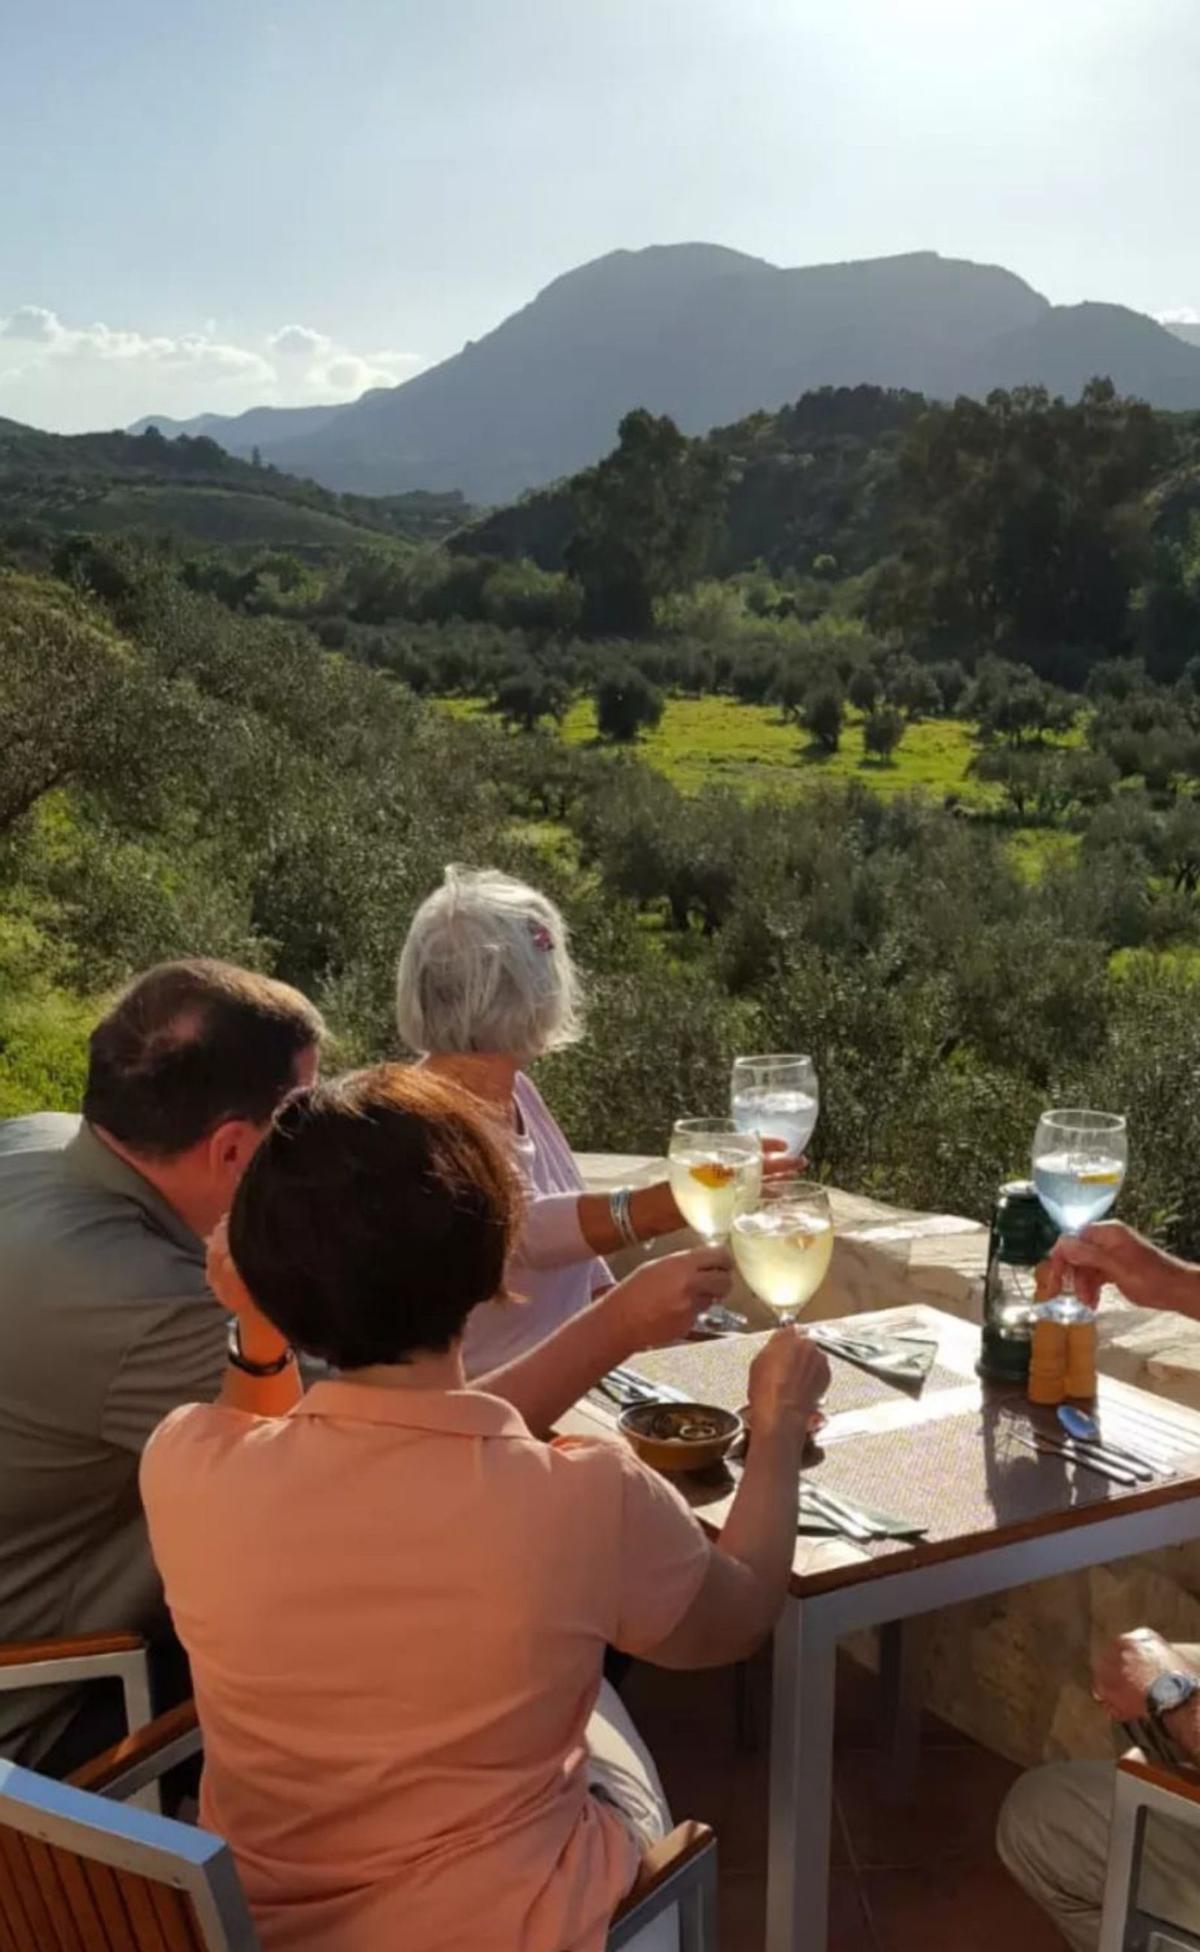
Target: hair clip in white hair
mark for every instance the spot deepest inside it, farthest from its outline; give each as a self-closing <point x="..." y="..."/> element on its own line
<point x="542" y="938"/>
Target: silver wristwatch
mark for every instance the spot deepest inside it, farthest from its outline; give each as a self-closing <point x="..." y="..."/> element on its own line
<point x="1170" y="1691"/>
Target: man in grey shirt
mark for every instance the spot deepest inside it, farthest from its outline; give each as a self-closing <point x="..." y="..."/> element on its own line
<point x="106" y="1321"/>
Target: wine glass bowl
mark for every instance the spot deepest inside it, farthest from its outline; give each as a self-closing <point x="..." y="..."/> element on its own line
<point x="783" y="1246"/>
<point x="715" y="1172"/>
<point x="1079" y="1161"/>
<point x="778" y="1097"/>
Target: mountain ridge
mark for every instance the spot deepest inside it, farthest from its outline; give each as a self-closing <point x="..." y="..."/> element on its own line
<point x="708" y="335"/>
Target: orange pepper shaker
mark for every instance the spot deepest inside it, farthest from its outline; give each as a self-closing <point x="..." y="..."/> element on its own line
<point x="1081" y="1360"/>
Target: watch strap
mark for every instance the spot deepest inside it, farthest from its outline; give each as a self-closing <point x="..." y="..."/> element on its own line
<point x="1185" y="1687"/>
<point x="244" y="1362"/>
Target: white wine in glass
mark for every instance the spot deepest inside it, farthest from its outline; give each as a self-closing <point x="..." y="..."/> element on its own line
<point x="778" y="1097"/>
<point x="715" y="1173"/>
<point x="784" y="1246"/>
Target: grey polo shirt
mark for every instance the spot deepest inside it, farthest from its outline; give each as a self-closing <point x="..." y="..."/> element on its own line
<point x="106" y="1324"/>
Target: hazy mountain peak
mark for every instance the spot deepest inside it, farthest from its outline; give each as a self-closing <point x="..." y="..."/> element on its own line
<point x="708" y="335"/>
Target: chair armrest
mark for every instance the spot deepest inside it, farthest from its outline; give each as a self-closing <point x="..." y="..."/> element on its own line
<point x="1181" y="1779"/>
<point x="76" y="1661"/>
<point x="144" y="1756"/>
<point x="662" y="1861"/>
<point x="17" y="1653"/>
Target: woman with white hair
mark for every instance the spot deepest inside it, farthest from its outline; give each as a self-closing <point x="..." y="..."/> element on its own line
<point x="485" y="985"/>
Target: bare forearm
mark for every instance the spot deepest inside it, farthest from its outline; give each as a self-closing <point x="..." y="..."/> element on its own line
<point x="760" y="1531"/>
<point x="747" y="1578"/>
<point x="1180" y="1287"/>
<point x="547" y="1380"/>
<point x="652" y="1214"/>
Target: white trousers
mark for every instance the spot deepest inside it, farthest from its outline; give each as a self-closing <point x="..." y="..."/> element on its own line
<point x="621" y="1771"/>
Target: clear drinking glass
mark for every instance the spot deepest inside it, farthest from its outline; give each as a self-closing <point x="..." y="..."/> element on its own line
<point x="1079" y="1161"/>
<point x="778" y="1097"/>
<point x="715" y="1172"/>
<point x="783" y="1247"/>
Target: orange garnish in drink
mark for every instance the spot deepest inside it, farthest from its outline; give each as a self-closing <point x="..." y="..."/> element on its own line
<point x="712" y="1173"/>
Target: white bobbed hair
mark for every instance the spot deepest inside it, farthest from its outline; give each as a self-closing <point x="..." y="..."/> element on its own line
<point x="487" y="967"/>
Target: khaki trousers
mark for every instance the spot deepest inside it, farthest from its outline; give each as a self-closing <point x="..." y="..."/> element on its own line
<point x="1053" y="1837"/>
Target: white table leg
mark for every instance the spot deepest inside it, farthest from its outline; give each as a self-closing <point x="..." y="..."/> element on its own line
<point x="801" y="1812"/>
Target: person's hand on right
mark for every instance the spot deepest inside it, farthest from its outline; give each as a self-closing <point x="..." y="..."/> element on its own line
<point x="788" y="1378"/>
<point x="1110" y="1252"/>
<point x="1125" y="1669"/>
<point x="779" y="1163"/>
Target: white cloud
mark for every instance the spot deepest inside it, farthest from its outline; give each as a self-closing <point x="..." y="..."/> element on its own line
<point x="32" y="323"/>
<point x="59" y="375"/>
<point x="347" y="374"/>
<point x="1180" y="315"/>
<point x="298" y="342"/>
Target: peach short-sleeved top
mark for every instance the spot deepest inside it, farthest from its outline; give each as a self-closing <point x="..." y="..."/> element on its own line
<point x="396" y="1604"/>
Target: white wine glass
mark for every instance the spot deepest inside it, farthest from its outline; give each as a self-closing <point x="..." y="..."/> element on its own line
<point x="1079" y="1161"/>
<point x="715" y="1173"/>
<point x="784" y="1245"/>
<point x="778" y="1097"/>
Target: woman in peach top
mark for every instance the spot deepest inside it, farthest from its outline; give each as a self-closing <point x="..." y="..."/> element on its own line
<point x="395" y="1597"/>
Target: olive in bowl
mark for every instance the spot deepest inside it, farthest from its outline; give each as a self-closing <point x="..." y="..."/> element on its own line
<point x="679" y="1436"/>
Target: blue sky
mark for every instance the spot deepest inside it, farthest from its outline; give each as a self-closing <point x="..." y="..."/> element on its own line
<point x="214" y="203"/>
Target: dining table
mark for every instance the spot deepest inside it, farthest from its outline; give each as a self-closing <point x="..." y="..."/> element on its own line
<point x="954" y="1454"/>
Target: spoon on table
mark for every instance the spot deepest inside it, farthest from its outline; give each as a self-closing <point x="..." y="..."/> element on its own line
<point x="1082" y="1426"/>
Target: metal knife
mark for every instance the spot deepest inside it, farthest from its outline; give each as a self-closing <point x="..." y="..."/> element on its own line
<point x="1072" y="1454"/>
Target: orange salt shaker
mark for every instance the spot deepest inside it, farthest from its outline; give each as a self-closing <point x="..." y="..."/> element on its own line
<point x="1081" y="1360"/>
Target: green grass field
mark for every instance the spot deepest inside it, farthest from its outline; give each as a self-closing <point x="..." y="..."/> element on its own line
<point x="707" y="741"/>
<point x="716" y="741"/>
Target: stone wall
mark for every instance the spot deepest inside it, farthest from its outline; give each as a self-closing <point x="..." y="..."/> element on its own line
<point x="1011" y="1671"/>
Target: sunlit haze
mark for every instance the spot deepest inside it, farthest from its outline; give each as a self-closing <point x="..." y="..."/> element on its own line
<point x="223" y="203"/>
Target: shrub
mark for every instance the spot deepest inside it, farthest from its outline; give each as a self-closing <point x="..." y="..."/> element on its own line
<point x="822" y="716"/>
<point x="883" y="731"/>
<point x="626" y="704"/>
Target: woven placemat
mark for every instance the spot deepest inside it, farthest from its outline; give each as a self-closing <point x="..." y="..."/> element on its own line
<point x="718" y="1372"/>
<point x="964" y="1474"/>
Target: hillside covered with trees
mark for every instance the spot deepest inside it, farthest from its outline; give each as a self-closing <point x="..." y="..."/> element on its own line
<point x="248" y="751"/>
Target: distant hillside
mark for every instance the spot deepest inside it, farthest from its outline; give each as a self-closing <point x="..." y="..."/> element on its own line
<point x="193" y="492"/>
<point x="1190" y="334"/>
<point x="817" y="478"/>
<point x="709" y="335"/>
<point x="241" y="433"/>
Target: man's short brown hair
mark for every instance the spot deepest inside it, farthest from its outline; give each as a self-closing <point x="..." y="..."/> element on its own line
<point x="376" y="1214"/>
<point x="191" y="1044"/>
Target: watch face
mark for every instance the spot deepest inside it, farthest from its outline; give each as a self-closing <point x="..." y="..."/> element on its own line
<point x="1171" y="1691"/>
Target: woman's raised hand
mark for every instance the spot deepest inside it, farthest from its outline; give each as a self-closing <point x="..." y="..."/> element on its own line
<point x="659" y="1302"/>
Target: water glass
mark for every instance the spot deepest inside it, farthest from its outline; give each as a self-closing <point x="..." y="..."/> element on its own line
<point x="777" y="1097"/>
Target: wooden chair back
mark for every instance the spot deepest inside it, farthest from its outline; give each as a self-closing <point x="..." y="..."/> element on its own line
<point x="82" y="1871"/>
<point x="79" y="1873"/>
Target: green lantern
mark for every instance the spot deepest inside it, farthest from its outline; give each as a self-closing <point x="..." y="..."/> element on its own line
<point x="1022" y="1235"/>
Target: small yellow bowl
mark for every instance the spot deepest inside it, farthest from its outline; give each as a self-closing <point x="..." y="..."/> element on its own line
<point x="646" y="1428"/>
